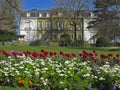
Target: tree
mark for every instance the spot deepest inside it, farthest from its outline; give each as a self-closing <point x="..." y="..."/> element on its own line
<point x="7" y="35"/>
<point x="108" y="18"/>
<point x="9" y="14"/>
<point x="74" y="12"/>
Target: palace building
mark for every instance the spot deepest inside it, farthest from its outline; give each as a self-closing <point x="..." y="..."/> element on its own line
<point x="52" y="24"/>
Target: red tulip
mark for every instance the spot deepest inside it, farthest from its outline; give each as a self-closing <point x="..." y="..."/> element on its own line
<point x="51" y="53"/>
<point x="61" y="53"/>
<point x="34" y="54"/>
<point x="117" y="55"/>
<point x="67" y="55"/>
<point x="103" y="63"/>
<point x="73" y="54"/>
<point x="80" y="54"/>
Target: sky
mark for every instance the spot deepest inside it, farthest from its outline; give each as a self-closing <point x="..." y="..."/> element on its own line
<point x="37" y="4"/>
<point x="41" y="4"/>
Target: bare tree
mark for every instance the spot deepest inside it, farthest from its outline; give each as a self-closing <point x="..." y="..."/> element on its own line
<point x="74" y="12"/>
<point x="9" y="14"/>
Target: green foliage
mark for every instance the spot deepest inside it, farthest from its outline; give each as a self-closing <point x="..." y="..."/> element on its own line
<point x="7" y="36"/>
<point x="79" y="43"/>
<point x="65" y="40"/>
<point x="102" y="42"/>
<point x="35" y="43"/>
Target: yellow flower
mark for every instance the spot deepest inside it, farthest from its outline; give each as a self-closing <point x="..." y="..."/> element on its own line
<point x="30" y="82"/>
<point x="21" y="80"/>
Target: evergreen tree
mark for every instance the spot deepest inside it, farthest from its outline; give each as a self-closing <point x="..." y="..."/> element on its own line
<point x="108" y="18"/>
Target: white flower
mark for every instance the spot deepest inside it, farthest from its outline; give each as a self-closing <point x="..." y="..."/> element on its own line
<point x="95" y="77"/>
<point x="42" y="63"/>
<point x="12" y="68"/>
<point x="45" y="83"/>
<point x="6" y="68"/>
<point x="67" y="62"/>
<point x="68" y="71"/>
<point x="101" y="78"/>
<point x="6" y="74"/>
<point x="17" y="72"/>
<point x="27" y="72"/>
<point x="89" y="68"/>
<point x="86" y="75"/>
<point x="45" y="69"/>
<point x="61" y="74"/>
<point x="58" y="71"/>
<point x="37" y="70"/>
<point x="65" y="89"/>
<point x="37" y="73"/>
<point x="61" y="82"/>
<point x="16" y="64"/>
<point x="9" y="57"/>
<point x="21" y="67"/>
<point x="42" y="78"/>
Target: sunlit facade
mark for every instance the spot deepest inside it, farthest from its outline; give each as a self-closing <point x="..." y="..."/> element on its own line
<point x="51" y="25"/>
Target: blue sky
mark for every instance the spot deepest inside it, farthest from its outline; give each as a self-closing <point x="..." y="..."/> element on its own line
<point x="37" y="4"/>
<point x="41" y="4"/>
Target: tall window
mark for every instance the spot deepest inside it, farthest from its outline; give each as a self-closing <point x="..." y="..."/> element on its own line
<point x="27" y="24"/>
<point x="60" y="25"/>
<point x="40" y="26"/>
<point x="78" y="27"/>
<point x="48" y="25"/>
<point x="71" y="27"/>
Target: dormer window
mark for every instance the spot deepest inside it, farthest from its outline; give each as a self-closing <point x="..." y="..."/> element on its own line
<point x="43" y="14"/>
<point x="34" y="14"/>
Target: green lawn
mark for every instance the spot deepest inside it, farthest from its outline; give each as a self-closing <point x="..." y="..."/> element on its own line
<point x="114" y="50"/>
<point x="10" y="88"/>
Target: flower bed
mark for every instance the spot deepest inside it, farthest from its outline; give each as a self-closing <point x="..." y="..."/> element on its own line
<point x="59" y="71"/>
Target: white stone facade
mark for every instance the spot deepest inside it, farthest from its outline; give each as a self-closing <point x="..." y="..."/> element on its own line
<point x="88" y="33"/>
<point x="28" y="27"/>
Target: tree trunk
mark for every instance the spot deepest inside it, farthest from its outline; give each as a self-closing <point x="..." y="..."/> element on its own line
<point x="75" y="33"/>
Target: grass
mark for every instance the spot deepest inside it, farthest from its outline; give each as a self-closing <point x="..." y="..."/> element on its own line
<point x="10" y="88"/>
<point x="104" y="50"/>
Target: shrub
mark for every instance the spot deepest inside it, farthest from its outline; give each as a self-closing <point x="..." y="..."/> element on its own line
<point x="7" y="35"/>
<point x="65" y="40"/>
<point x="78" y="43"/>
<point x="103" y="42"/>
<point x="35" y="43"/>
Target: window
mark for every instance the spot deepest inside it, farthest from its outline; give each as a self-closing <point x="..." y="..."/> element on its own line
<point x="27" y="24"/>
<point x="71" y="27"/>
<point x="78" y="27"/>
<point x="34" y="14"/>
<point x="48" y="25"/>
<point x="60" y="25"/>
<point x="43" y="14"/>
<point x="40" y="26"/>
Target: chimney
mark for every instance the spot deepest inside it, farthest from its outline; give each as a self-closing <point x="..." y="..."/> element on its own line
<point x="28" y="14"/>
<point x="40" y="15"/>
<point x="48" y="15"/>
